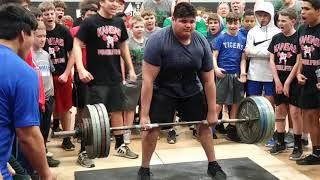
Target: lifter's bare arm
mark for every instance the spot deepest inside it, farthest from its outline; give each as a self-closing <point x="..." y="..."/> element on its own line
<point x="32" y="144"/>
<point x="149" y="74"/>
<point x="207" y="79"/>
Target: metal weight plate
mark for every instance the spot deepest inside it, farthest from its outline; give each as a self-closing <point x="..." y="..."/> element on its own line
<point x="92" y="122"/>
<point x="98" y="132"/>
<point x="89" y="138"/>
<point x="102" y="130"/>
<point x="86" y="132"/>
<point x="264" y="119"/>
<point x="107" y="129"/>
<point x="249" y="132"/>
<point x="270" y="119"/>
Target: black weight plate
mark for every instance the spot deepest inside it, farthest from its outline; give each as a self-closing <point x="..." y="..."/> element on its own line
<point x="249" y="132"/>
<point x="107" y="129"/>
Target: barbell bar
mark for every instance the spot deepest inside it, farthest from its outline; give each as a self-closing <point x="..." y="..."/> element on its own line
<point x="77" y="133"/>
<point x="255" y="123"/>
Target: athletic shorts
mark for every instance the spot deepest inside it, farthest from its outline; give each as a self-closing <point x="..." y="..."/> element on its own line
<point x="112" y="96"/>
<point x="62" y="95"/>
<point x="132" y="92"/>
<point x="163" y="108"/>
<point x="294" y="93"/>
<point x="310" y="96"/>
<point x="78" y="92"/>
<point x="229" y="89"/>
<point x="256" y="88"/>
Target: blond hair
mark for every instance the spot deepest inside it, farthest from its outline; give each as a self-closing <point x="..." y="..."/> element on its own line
<point x="136" y="19"/>
<point x="46" y="6"/>
<point x="41" y="25"/>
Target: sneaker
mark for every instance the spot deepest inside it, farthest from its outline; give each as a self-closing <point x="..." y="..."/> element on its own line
<point x="296" y="154"/>
<point x="172" y="139"/>
<point x="52" y="162"/>
<point x="84" y="160"/>
<point x="311" y="159"/>
<point x="288" y="138"/>
<point x="232" y="134"/>
<point x="127" y="136"/>
<point x="305" y="142"/>
<point x="277" y="148"/>
<point x="220" y="129"/>
<point x="270" y="143"/>
<point x="215" y="172"/>
<point x="144" y="174"/>
<point x="290" y="145"/>
<point x="195" y="134"/>
<point x="214" y="136"/>
<point x="124" y="151"/>
<point x="67" y="145"/>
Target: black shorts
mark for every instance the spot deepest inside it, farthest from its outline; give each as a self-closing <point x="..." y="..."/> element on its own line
<point x="78" y="92"/>
<point x="112" y="96"/>
<point x="310" y="96"/>
<point x="132" y="92"/>
<point x="294" y="93"/>
<point x="163" y="108"/>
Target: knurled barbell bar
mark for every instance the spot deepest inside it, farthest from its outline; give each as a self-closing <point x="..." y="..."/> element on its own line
<point x="255" y="123"/>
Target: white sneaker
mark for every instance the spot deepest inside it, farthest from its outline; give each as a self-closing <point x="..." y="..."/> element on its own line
<point x="124" y="151"/>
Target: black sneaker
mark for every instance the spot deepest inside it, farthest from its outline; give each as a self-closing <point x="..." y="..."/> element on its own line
<point x="52" y="162"/>
<point x="296" y="154"/>
<point x="144" y="174"/>
<point x="311" y="159"/>
<point x="214" y="136"/>
<point x="67" y="145"/>
<point x="172" y="139"/>
<point x="215" y="172"/>
<point x="220" y="129"/>
<point x="232" y="134"/>
<point x="195" y="134"/>
<point x="305" y="142"/>
<point x="277" y="148"/>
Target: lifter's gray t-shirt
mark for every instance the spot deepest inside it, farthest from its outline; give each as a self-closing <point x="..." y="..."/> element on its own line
<point x="180" y="65"/>
<point x="42" y="60"/>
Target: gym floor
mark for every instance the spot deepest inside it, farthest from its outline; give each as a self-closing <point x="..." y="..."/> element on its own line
<point x="187" y="149"/>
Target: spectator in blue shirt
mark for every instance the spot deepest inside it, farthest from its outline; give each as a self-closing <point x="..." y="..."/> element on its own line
<point x="19" y="108"/>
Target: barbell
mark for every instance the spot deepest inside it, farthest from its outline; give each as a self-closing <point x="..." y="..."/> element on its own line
<point x="255" y="123"/>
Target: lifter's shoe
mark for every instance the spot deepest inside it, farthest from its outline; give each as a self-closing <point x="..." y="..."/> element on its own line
<point x="124" y="151"/>
<point x="85" y="161"/>
<point x="52" y="162"/>
<point x="144" y="174"/>
<point x="311" y="159"/>
<point x="67" y="144"/>
<point x="277" y="148"/>
<point x="215" y="172"/>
